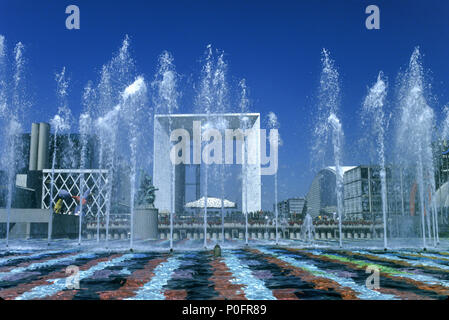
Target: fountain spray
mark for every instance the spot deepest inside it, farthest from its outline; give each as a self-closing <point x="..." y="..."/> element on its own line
<point x="166" y="101"/>
<point x="414" y="138"/>
<point x="107" y="128"/>
<point x="85" y="124"/>
<point x="134" y="100"/>
<point x="105" y="101"/>
<point x="372" y="110"/>
<point x="12" y="115"/>
<point x="3" y="99"/>
<point x="116" y="75"/>
<point x="60" y="123"/>
<point x="274" y="124"/>
<point x="337" y="133"/>
<point x="221" y="106"/>
<point x="57" y="123"/>
<point x="205" y="101"/>
<point x="244" y="106"/>
<point x="329" y="125"/>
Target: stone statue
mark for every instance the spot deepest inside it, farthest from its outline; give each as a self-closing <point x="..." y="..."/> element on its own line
<point x="146" y="194"/>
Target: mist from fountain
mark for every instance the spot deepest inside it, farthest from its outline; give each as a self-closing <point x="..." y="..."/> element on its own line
<point x="85" y="128"/>
<point x="273" y="123"/>
<point x="12" y="111"/>
<point x="414" y="138"/>
<point x="4" y="117"/>
<point x="328" y="127"/>
<point x="337" y="137"/>
<point x="67" y="149"/>
<point x="107" y="131"/>
<point x="104" y="101"/>
<point x="2" y="74"/>
<point x="444" y="137"/>
<point x="85" y="123"/>
<point x="61" y="123"/>
<point x="204" y="102"/>
<point x="166" y="101"/>
<point x="221" y="106"/>
<point x="244" y="106"/>
<point x="373" y="116"/>
<point x="134" y="100"/>
<point x="104" y="104"/>
<point x="307" y="228"/>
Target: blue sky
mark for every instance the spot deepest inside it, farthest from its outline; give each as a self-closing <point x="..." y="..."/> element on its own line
<point x="275" y="45"/>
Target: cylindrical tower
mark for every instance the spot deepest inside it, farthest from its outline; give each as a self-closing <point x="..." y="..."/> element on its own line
<point x="34" y="141"/>
<point x="44" y="137"/>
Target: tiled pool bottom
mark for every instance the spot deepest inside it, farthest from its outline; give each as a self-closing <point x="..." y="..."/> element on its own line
<point x="254" y="273"/>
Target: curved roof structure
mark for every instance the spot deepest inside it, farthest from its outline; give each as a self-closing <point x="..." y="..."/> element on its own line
<point x="211" y="203"/>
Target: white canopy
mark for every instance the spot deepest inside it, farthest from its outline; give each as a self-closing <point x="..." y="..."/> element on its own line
<point x="211" y="203"/>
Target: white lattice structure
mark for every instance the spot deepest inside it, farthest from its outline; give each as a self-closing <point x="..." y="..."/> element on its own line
<point x="70" y="179"/>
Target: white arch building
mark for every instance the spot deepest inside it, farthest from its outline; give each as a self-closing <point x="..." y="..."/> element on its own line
<point x="192" y="126"/>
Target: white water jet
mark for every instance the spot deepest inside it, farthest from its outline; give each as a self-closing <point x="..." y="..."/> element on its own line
<point x="414" y="138"/>
<point x="85" y="123"/>
<point x="372" y="110"/>
<point x="105" y="101"/>
<point x="221" y="125"/>
<point x="107" y="129"/>
<point x="60" y="123"/>
<point x="204" y="102"/>
<point x="134" y="100"/>
<point x="328" y="127"/>
<point x="3" y="82"/>
<point x="444" y="138"/>
<point x="13" y="115"/>
<point x="308" y="229"/>
<point x="244" y="106"/>
<point x="67" y="152"/>
<point x="221" y="93"/>
<point x="337" y="135"/>
<point x="166" y="101"/>
<point x="274" y="124"/>
<point x="85" y="127"/>
<point x="115" y="77"/>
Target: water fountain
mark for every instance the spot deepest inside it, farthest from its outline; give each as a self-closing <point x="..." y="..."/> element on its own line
<point x="134" y="100"/>
<point x="308" y="229"/>
<point x="107" y="130"/>
<point x="104" y="103"/>
<point x="444" y="216"/>
<point x="221" y="106"/>
<point x="84" y="125"/>
<point x="244" y="103"/>
<point x="329" y="125"/>
<point x="13" y="116"/>
<point x="274" y="124"/>
<point x="205" y="103"/>
<point x="373" y="111"/>
<point x="113" y="113"/>
<point x="61" y="123"/>
<point x="166" y="101"/>
<point x="414" y="138"/>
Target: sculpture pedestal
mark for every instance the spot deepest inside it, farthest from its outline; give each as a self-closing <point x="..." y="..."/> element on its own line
<point x="146" y="224"/>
